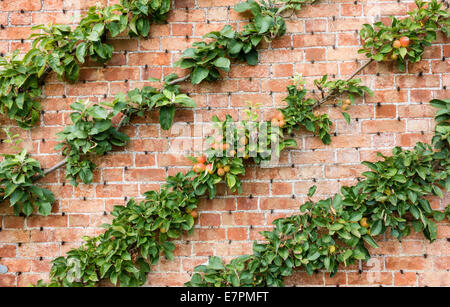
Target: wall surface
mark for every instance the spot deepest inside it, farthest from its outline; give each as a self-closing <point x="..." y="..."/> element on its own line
<point x="321" y="38"/>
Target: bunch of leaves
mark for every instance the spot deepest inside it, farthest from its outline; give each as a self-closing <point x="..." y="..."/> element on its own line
<point x="421" y="27"/>
<point x="336" y="230"/>
<point x="92" y="132"/>
<point x="138" y="235"/>
<point x="395" y="188"/>
<point x="60" y="49"/>
<point x="205" y="59"/>
<point x="313" y="240"/>
<point x="336" y="89"/>
<point x="139" y="101"/>
<point x="17" y="173"/>
<point x="246" y="139"/>
<point x="141" y="10"/>
<point x="441" y="139"/>
<point x="19" y="88"/>
<point x="300" y="113"/>
<point x="77" y="269"/>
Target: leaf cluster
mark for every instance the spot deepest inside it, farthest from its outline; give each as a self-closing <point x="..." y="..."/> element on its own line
<point x="17" y="172"/>
<point x="421" y="27"/>
<point x="62" y="50"/>
<point x="336" y="230"/>
<point x="207" y="58"/>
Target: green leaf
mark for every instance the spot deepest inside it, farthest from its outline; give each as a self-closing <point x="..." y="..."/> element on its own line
<point x="370" y="241"/>
<point x="81" y="52"/>
<point x="16" y="196"/>
<point x="403" y="51"/>
<point x="376" y="228"/>
<point x="263" y="23"/>
<point x="199" y="74"/>
<point x="242" y="7"/>
<point x="86" y="175"/>
<point x="252" y="57"/>
<point x="337" y="202"/>
<point x="386" y="49"/>
<point x="312" y="190"/>
<point x="97" y="112"/>
<point x="438" y="216"/>
<point x="222" y="63"/>
<point x="215" y="263"/>
<point x="347" y="117"/>
<point x="166" y="114"/>
<point x="45" y="208"/>
<point x="234" y="47"/>
<point x="438" y="191"/>
<point x="27" y="208"/>
<point x="231" y="180"/>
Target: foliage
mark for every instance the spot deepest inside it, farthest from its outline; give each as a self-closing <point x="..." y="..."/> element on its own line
<point x="336" y="230"/>
<point x="137" y="236"/>
<point x="63" y="50"/>
<point x="335" y="89"/>
<point x="441" y="139"/>
<point x="19" y="86"/>
<point x="205" y="59"/>
<point x="149" y="98"/>
<point x="300" y="112"/>
<point x="385" y="42"/>
<point x="93" y="131"/>
<point x="17" y="172"/>
<point x="327" y="233"/>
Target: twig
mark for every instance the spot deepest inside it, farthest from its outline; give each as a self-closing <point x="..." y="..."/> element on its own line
<point x="179" y="80"/>
<point x="332" y="93"/>
<point x="359" y="70"/>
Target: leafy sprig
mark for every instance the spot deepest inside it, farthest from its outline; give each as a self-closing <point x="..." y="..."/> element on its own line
<point x="92" y="131"/>
<point x="17" y="172"/>
<point x="405" y="38"/>
<point x="60" y="49"/>
<point x="206" y="59"/>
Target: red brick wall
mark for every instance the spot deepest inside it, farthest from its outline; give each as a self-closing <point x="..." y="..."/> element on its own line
<point x="321" y="39"/>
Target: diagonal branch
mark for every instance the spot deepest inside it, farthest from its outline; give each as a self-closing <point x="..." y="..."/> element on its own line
<point x="121" y="123"/>
<point x="333" y="93"/>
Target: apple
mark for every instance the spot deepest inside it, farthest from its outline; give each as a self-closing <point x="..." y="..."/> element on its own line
<point x="243" y="140"/>
<point x="201" y="159"/>
<point x="199" y="167"/>
<point x="404" y="41"/>
<point x="279" y="116"/>
<point x="397" y="44"/>
<point x="220" y="172"/>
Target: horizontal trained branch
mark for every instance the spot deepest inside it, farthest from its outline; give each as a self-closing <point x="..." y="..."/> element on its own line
<point x="332" y="231"/>
<point x="62" y="50"/>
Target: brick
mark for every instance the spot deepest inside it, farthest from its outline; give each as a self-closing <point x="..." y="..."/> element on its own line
<point x="383" y="126"/>
<point x="407" y="263"/>
<point x="18" y="5"/>
<point x="155" y="58"/>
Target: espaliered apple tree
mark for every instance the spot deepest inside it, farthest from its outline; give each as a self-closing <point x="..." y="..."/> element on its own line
<point x="140" y="233"/>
